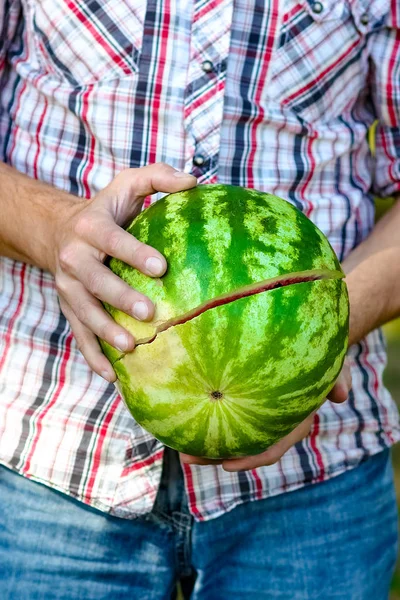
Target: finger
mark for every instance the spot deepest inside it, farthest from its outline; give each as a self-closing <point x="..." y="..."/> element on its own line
<point x="349" y="380"/>
<point x="132" y="185"/>
<point x="107" y="287"/>
<point x="188" y="459"/>
<point x="274" y="453"/>
<point x="340" y="391"/>
<point x="90" y="313"/>
<point x="88" y="345"/>
<point x="102" y="233"/>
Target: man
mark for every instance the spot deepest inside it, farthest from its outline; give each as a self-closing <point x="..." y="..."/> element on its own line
<point x="102" y="105"/>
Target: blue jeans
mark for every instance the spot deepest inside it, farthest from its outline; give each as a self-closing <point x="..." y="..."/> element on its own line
<point x="332" y="540"/>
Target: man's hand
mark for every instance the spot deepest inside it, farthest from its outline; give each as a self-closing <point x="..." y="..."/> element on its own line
<point x="338" y="394"/>
<point x="87" y="232"/>
<point x="70" y="237"/>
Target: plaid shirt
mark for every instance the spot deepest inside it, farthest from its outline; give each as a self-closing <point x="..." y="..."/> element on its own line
<point x="276" y="95"/>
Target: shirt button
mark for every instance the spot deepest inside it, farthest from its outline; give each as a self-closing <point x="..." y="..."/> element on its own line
<point x="364" y="18"/>
<point x="207" y="66"/>
<point x="198" y="160"/>
<point x="317" y="7"/>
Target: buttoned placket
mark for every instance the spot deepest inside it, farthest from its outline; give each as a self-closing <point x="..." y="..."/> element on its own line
<point x="204" y="99"/>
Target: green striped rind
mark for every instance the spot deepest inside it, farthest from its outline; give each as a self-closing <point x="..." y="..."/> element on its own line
<point x="216" y="239"/>
<point x="273" y="356"/>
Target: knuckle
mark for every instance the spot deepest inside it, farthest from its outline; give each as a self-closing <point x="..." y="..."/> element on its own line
<point x="161" y="165"/>
<point x="83" y="312"/>
<point x="84" y="348"/>
<point x="125" y="177"/>
<point x="140" y="253"/>
<point x="67" y="257"/>
<point x="61" y="284"/>
<point x="80" y="344"/>
<point x="125" y="300"/>
<point x="95" y="283"/>
<point x="126" y="173"/>
<point x="80" y="340"/>
<point x="105" y="332"/>
<point x="83" y="224"/>
<point x="114" y="242"/>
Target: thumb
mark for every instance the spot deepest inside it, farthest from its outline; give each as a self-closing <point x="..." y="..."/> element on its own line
<point x="129" y="188"/>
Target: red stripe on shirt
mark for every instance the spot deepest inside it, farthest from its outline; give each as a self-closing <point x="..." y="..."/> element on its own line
<point x="323" y="74"/>
<point x="115" y="57"/>
<point x="37" y="136"/>
<point x="60" y="386"/>
<point x="310" y="173"/>
<point x="208" y="7"/>
<point x="142" y="464"/>
<point x="258" y="483"/>
<point x="192" y="499"/>
<point x="90" y="156"/>
<point x="158" y="87"/>
<point x="101" y="437"/>
<point x="267" y="55"/>
<point x="294" y="11"/>
<point x="203" y="98"/>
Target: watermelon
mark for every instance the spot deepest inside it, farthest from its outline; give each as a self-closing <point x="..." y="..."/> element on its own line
<point x="251" y="322"/>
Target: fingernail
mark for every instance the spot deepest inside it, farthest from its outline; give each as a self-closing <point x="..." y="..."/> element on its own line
<point x="121" y="342"/>
<point x="182" y="174"/>
<point x="154" y="266"/>
<point x="140" y="310"/>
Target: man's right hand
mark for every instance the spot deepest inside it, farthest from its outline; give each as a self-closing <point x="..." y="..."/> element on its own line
<point x="72" y="237"/>
<point x="89" y="231"/>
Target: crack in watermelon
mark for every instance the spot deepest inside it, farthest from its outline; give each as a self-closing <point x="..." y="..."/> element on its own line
<point x="249" y="290"/>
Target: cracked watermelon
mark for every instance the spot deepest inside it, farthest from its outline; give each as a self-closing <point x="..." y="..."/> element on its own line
<point x="251" y="322"/>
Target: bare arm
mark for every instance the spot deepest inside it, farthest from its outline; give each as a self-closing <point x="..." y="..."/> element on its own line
<point x="29" y="212"/>
<point x="373" y="277"/>
<point x="70" y="237"/>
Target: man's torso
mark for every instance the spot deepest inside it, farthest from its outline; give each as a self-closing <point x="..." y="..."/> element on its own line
<point x="271" y="95"/>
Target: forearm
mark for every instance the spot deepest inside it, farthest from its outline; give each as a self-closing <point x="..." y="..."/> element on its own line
<point x="373" y="277"/>
<point x="28" y="211"/>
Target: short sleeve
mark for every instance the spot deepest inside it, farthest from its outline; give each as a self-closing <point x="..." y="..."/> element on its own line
<point x="385" y="57"/>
